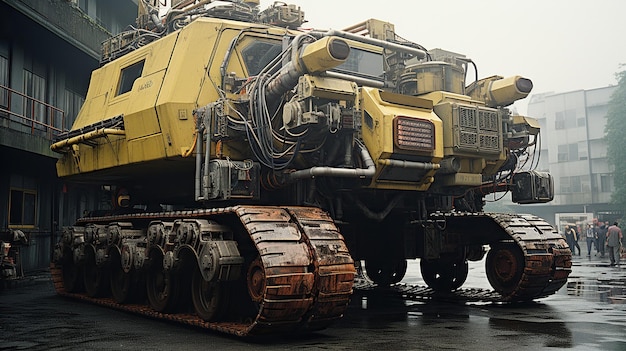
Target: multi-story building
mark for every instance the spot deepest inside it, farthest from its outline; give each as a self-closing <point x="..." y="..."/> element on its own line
<point x="573" y="149"/>
<point x="47" y="52"/>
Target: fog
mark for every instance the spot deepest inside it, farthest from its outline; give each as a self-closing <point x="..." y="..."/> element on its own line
<point x="560" y="45"/>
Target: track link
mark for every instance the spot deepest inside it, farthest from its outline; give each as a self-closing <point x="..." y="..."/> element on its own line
<point x="548" y="259"/>
<point x="307" y="271"/>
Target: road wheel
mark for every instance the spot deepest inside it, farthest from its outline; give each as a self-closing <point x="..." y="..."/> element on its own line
<point x="444" y="275"/>
<point x="385" y="273"/>
<point x="209" y="298"/>
<point x="161" y="287"/>
<point x="95" y="278"/>
<point x="125" y="287"/>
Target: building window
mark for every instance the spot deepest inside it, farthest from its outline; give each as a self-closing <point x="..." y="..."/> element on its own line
<point x="585" y="182"/>
<point x="565" y="187"/>
<point x="84" y="5"/>
<point x="606" y="183"/>
<point x="128" y="76"/>
<point x="4" y="81"/>
<point x="72" y="104"/>
<point x="567" y="119"/>
<point x="570" y="119"/>
<point x="575" y="184"/>
<point x="563" y="154"/>
<point x="582" y="150"/>
<point x="22" y="205"/>
<point x="35" y="87"/>
<point x="573" y="152"/>
<point x="559" y="121"/>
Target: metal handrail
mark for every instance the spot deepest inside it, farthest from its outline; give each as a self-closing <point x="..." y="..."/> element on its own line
<point x="32" y="121"/>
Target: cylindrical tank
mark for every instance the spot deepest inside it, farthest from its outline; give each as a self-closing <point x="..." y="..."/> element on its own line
<point x="432" y="76"/>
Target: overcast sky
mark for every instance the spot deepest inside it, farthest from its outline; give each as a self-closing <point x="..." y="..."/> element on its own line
<point x="561" y="45"/>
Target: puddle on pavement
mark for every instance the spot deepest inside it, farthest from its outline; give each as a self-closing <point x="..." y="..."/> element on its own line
<point x="607" y="288"/>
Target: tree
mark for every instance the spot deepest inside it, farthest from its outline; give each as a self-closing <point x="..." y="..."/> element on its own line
<point x="616" y="140"/>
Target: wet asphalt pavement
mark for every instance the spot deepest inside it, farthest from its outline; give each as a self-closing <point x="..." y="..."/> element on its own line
<point x="587" y="314"/>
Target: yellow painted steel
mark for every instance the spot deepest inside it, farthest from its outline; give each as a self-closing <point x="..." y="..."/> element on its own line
<point x="377" y="132"/>
<point x="318" y="57"/>
<point x="473" y="162"/>
<point x="96" y="134"/>
<point x="183" y="71"/>
<point x="180" y="72"/>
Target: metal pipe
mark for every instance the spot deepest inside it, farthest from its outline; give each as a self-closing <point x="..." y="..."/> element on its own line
<point x="94" y="134"/>
<point x="288" y="75"/>
<point x="420" y="54"/>
<point x="207" y="152"/>
<point x="312" y="172"/>
<point x="347" y="158"/>
<point x="408" y="164"/>
<point x="356" y="27"/>
<point x="449" y="165"/>
<point x="199" y="133"/>
<point x="358" y="80"/>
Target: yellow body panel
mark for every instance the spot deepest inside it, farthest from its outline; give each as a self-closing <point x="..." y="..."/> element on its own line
<point x="377" y="126"/>
<point x="143" y="121"/>
<point x="460" y="129"/>
<point x="158" y="109"/>
<point x="146" y="149"/>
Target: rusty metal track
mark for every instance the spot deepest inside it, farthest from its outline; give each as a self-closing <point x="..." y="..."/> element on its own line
<point x="309" y="274"/>
<point x="547" y="264"/>
<point x="548" y="259"/>
<point x="307" y="270"/>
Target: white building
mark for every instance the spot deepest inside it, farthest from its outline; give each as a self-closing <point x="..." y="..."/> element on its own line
<point x="573" y="150"/>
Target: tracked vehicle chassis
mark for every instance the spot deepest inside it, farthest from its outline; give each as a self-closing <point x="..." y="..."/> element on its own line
<point x="304" y="274"/>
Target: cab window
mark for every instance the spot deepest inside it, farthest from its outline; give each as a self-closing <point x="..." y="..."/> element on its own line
<point x="362" y="63"/>
<point x="128" y="76"/>
<point x="259" y="54"/>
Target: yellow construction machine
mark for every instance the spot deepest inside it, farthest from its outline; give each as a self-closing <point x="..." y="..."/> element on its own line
<point x="254" y="164"/>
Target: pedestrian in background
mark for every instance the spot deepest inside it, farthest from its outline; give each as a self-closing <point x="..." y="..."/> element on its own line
<point x="590" y="235"/>
<point x="576" y="231"/>
<point x="614" y="243"/>
<point x="571" y="239"/>
<point x="602" y="228"/>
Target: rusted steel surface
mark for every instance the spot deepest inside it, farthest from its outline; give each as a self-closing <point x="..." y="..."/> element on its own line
<point x="547" y="256"/>
<point x="302" y="279"/>
<point x="547" y="262"/>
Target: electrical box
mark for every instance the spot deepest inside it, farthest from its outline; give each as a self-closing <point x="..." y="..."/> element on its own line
<point x="531" y="187"/>
<point x="233" y="180"/>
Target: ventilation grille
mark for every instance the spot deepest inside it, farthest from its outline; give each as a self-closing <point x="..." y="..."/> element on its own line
<point x="477" y="129"/>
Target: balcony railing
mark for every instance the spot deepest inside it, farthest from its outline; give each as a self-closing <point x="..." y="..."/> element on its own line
<point x="27" y="114"/>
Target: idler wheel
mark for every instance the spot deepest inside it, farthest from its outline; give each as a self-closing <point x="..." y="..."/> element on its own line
<point x="504" y="268"/>
<point x="385" y="273"/>
<point x="95" y="278"/>
<point x="161" y="286"/>
<point x="209" y="299"/>
<point x="444" y="274"/>
<point x="256" y="280"/>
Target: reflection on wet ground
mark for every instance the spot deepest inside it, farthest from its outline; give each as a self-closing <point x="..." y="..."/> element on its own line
<point x="595" y="280"/>
<point x="589" y="313"/>
<point x="556" y="333"/>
